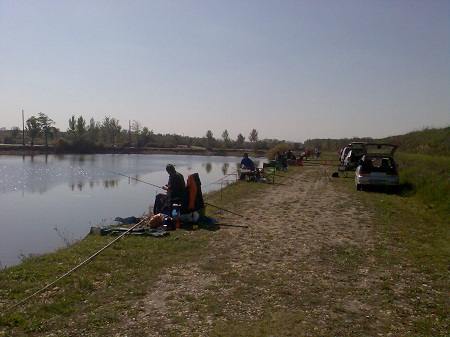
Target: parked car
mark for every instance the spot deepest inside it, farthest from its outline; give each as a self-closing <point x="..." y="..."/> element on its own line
<point x="344" y="154"/>
<point x="377" y="167"/>
<point x="354" y="155"/>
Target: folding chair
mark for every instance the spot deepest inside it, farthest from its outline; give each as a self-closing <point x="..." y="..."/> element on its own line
<point x="268" y="172"/>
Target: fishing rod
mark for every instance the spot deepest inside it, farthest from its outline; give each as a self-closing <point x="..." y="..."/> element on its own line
<point x="145" y="182"/>
<point x="223" y="209"/>
<point x="89" y="259"/>
<point x="224" y="224"/>
<point x="124" y="175"/>
<point x="230" y="174"/>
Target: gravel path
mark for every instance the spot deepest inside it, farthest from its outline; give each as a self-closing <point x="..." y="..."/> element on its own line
<point x="304" y="254"/>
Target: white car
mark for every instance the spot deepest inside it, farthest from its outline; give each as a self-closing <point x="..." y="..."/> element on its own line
<point x="344" y="153"/>
<point x="377" y="167"/>
<point x="354" y="155"/>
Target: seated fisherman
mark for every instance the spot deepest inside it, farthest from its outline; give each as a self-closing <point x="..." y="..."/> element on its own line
<point x="247" y="164"/>
<point x="174" y="189"/>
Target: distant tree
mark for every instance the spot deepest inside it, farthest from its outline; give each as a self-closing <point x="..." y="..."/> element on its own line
<point x="77" y="127"/>
<point x="93" y="130"/>
<point x="253" y="137"/>
<point x="46" y="126"/>
<point x="136" y="128"/>
<point x="15" y="131"/>
<point x="81" y="126"/>
<point x="209" y="138"/>
<point x="226" y="138"/>
<point x="240" y="140"/>
<point x="72" y="129"/>
<point x="33" y="128"/>
<point x="112" y="128"/>
<point x="147" y="135"/>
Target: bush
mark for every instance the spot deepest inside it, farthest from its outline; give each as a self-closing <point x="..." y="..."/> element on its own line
<point x="282" y="148"/>
<point x="78" y="146"/>
<point x="9" y="140"/>
<point x="62" y="146"/>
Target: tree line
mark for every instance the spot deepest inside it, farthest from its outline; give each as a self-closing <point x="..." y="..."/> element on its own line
<point x="83" y="136"/>
<point x="95" y="136"/>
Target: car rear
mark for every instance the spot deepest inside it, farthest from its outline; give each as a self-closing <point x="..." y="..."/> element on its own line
<point x="382" y="172"/>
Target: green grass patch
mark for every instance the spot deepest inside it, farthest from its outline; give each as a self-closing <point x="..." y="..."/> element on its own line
<point x="428" y="177"/>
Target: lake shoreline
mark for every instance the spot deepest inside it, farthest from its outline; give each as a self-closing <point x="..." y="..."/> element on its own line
<point x="21" y="150"/>
<point x="91" y="187"/>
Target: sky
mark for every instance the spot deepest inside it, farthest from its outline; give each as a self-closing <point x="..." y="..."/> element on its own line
<point x="292" y="70"/>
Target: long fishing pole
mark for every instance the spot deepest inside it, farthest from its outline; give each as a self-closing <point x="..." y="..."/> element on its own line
<point x="124" y="175"/>
<point x="223" y="209"/>
<point x="225" y="224"/>
<point x="230" y="174"/>
<point x="89" y="259"/>
<point x="145" y="182"/>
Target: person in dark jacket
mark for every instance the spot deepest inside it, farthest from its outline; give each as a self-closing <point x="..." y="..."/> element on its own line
<point x="175" y="192"/>
<point x="247" y="163"/>
<point x="175" y="186"/>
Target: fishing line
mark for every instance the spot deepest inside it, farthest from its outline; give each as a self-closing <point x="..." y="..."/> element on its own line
<point x="145" y="182"/>
<point x="124" y="175"/>
<point x="89" y="259"/>
<point x="232" y="173"/>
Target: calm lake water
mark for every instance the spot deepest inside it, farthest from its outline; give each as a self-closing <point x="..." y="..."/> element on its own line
<point x="46" y="201"/>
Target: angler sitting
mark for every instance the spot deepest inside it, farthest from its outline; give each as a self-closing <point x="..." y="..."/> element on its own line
<point x="175" y="192"/>
<point x="248" y="167"/>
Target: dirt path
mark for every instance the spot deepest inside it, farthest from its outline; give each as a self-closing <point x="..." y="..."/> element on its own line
<point x="304" y="254"/>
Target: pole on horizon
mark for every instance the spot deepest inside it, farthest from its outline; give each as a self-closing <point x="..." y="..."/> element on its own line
<point x="23" y="128"/>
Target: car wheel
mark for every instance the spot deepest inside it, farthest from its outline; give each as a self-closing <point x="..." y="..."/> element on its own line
<point x="358" y="187"/>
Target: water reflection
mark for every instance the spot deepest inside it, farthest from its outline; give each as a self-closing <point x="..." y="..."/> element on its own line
<point x="74" y="192"/>
<point x="41" y="173"/>
<point x="225" y="167"/>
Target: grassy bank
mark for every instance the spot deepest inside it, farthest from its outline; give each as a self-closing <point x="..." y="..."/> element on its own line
<point x="401" y="269"/>
<point x="428" y="178"/>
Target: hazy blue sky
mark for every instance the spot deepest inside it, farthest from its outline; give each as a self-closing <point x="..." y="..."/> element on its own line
<point x="291" y="70"/>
